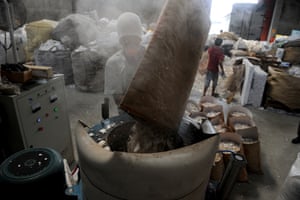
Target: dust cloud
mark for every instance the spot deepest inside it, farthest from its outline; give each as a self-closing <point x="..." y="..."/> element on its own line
<point x="147" y="10"/>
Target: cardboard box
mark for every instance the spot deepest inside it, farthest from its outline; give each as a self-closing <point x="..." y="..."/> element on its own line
<point x="250" y="132"/>
<point x="211" y="112"/>
<point x="17" y="77"/>
<point x="238" y="148"/>
<point x="40" y="71"/>
<point x="238" y="111"/>
<point x="207" y="101"/>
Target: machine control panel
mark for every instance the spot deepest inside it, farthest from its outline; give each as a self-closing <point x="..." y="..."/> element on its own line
<point x="42" y="118"/>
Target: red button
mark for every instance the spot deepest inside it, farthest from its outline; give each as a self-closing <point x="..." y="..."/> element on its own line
<point x="40" y="128"/>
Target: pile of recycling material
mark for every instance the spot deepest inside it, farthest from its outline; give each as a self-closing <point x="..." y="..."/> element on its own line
<point x="264" y="73"/>
<point x="77" y="46"/>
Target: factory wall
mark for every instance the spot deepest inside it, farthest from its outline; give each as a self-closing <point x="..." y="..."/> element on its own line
<point x="246" y="20"/>
<point x="48" y="9"/>
<point x="286" y="17"/>
<point x="55" y="10"/>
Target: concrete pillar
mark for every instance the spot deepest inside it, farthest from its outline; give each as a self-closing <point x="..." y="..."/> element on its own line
<point x="276" y="15"/>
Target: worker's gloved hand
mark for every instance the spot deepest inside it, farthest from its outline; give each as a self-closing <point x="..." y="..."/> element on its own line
<point x="223" y="75"/>
<point x="117" y="98"/>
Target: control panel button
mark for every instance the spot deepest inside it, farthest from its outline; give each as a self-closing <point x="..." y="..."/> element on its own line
<point x="35" y="107"/>
<point x="55" y="109"/>
<point x="53" y="98"/>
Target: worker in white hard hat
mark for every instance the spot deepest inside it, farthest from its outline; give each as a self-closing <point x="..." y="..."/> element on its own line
<point x="121" y="67"/>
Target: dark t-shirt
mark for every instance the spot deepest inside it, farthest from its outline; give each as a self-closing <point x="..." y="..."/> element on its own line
<point x="216" y="56"/>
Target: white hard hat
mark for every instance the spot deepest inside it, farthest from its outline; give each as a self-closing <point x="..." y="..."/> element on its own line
<point x="129" y="24"/>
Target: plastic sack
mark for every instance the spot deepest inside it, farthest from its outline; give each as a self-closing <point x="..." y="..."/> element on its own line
<point x="88" y="62"/>
<point x="291" y="187"/>
<point x="37" y="33"/>
<point x="75" y="30"/>
<point x="52" y="53"/>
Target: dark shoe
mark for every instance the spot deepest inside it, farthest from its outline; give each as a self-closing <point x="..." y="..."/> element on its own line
<point x="296" y="140"/>
<point x="215" y="95"/>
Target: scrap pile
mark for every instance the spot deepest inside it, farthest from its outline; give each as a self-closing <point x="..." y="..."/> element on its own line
<point x="273" y="70"/>
<point x="77" y="46"/>
<point x="283" y="88"/>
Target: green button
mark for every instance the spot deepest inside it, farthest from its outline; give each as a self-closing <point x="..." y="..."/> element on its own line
<point x="55" y="109"/>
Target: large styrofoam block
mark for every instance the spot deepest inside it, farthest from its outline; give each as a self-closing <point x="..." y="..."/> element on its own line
<point x="257" y="87"/>
<point x="249" y="71"/>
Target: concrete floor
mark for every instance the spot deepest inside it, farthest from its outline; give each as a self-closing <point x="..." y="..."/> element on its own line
<point x="277" y="155"/>
<point x="276" y="129"/>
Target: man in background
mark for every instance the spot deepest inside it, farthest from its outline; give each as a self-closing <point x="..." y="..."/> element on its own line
<point x="215" y="60"/>
<point x="121" y="67"/>
<point x="296" y="140"/>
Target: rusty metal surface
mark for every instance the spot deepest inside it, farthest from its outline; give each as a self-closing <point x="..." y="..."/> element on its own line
<point x="161" y="87"/>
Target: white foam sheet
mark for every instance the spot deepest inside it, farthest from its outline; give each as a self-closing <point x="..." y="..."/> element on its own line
<point x="254" y="84"/>
<point x="249" y="70"/>
<point x="257" y="88"/>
